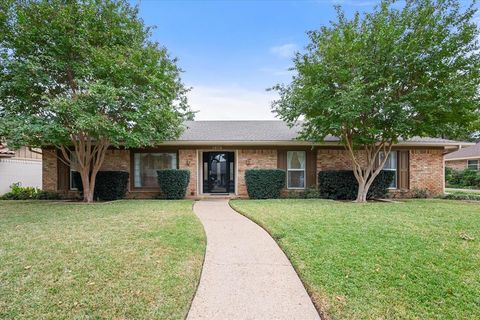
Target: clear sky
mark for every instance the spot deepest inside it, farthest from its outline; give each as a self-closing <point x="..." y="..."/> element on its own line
<point x="232" y="51"/>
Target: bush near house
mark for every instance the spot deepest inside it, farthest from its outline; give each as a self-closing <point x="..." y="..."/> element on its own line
<point x="264" y="183"/>
<point x="109" y="185"/>
<point x="462" y="178"/>
<point x="342" y="185"/>
<point x="17" y="192"/>
<point x="173" y="183"/>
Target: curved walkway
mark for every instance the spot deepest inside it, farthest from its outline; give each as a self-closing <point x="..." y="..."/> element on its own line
<point x="245" y="274"/>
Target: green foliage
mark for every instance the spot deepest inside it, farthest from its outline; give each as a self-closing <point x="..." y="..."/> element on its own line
<point x="85" y="67"/>
<point x="342" y="185"/>
<point x="454" y="196"/>
<point x="419" y="193"/>
<point x="264" y="183"/>
<point x="462" y="178"/>
<point x="109" y="185"/>
<point x="17" y="192"/>
<point x="401" y="71"/>
<point x="173" y="183"/>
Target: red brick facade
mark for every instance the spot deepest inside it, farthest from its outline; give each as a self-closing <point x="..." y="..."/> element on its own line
<point x="426" y="169"/>
<point x="458" y="164"/>
<point x="253" y="159"/>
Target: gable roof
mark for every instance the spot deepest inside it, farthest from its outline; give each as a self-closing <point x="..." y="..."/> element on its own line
<point x="268" y="131"/>
<point x="465" y="153"/>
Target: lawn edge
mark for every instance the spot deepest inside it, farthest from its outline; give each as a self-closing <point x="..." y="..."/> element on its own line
<point x="323" y="315"/>
<point x="203" y="263"/>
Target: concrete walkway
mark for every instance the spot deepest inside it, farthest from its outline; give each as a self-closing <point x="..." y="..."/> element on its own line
<point x="245" y="275"/>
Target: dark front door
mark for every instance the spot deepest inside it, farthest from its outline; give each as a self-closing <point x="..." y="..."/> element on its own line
<point x="218" y="172"/>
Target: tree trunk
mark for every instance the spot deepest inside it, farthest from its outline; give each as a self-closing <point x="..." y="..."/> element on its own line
<point x="90" y="154"/>
<point x="366" y="172"/>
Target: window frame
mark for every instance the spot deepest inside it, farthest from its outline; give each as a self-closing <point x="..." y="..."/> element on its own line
<point x="389" y="169"/>
<point x="468" y="164"/>
<point x="304" y="170"/>
<point x="71" y="171"/>
<point x="132" y="166"/>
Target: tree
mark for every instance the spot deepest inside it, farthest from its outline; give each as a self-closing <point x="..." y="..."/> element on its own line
<point x="83" y="76"/>
<point x="386" y="76"/>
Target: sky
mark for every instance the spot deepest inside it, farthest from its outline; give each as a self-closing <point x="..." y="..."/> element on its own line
<point x="232" y="51"/>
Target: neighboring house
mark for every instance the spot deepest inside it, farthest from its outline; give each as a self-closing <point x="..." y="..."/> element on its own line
<point x="20" y="165"/>
<point x="464" y="158"/>
<point x="217" y="153"/>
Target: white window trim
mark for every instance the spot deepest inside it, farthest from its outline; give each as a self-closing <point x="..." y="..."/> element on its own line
<point x="304" y="170"/>
<point x="478" y="162"/>
<point x="151" y="152"/>
<point x="395" y="170"/>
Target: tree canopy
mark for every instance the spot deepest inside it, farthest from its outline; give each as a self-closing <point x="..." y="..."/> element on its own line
<point x="406" y="69"/>
<point x="84" y="74"/>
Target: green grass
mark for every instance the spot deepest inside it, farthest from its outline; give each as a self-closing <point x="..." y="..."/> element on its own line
<point x="414" y="260"/>
<point x="120" y="260"/>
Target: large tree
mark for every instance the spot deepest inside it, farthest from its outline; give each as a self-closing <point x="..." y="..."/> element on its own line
<point x="83" y="76"/>
<point x="409" y="68"/>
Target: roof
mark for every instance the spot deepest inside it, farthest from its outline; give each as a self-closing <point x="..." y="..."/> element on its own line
<point x="465" y="153"/>
<point x="5" y="152"/>
<point x="268" y="131"/>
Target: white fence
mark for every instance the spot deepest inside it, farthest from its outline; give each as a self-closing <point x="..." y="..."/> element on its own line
<point x="27" y="172"/>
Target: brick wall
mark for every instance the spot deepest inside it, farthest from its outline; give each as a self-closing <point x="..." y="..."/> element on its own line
<point x="49" y="170"/>
<point x="426" y="170"/>
<point x="251" y="159"/>
<point x="188" y="160"/>
<point x="426" y="166"/>
<point x="334" y="159"/>
<point x="457" y="164"/>
<point x="116" y="160"/>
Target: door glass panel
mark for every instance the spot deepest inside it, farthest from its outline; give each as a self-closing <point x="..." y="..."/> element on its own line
<point x="218" y="171"/>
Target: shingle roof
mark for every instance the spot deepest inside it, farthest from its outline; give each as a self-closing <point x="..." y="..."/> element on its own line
<point x="468" y="152"/>
<point x="261" y="130"/>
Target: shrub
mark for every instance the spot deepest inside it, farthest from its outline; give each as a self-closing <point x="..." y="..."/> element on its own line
<point x="452" y="196"/>
<point x="109" y="185"/>
<point x="17" y="192"/>
<point x="173" y="183"/>
<point x="462" y="178"/>
<point x="264" y="183"/>
<point x="342" y="185"/>
<point x="419" y="193"/>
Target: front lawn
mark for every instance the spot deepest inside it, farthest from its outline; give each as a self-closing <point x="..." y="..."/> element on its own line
<point x="120" y="260"/>
<point x="414" y="260"/>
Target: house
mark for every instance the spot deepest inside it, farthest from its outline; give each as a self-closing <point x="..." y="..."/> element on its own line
<point x="22" y="165"/>
<point x="218" y="153"/>
<point x="464" y="158"/>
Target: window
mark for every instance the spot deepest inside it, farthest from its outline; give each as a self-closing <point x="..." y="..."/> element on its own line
<point x="73" y="169"/>
<point x="472" y="164"/>
<point x="145" y="166"/>
<point x="296" y="169"/>
<point x="391" y="165"/>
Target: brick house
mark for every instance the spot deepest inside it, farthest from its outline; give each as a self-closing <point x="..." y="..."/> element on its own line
<point x="464" y="158"/>
<point x="217" y="153"/>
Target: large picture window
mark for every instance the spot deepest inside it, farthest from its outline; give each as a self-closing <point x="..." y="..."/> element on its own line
<point x="145" y="166"/>
<point x="472" y="164"/>
<point x="296" y="169"/>
<point x="391" y="165"/>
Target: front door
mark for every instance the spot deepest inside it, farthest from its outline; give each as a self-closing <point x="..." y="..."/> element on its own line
<point x="218" y="172"/>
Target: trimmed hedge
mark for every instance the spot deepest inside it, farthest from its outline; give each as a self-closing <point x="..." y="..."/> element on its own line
<point x="342" y="185"/>
<point x="264" y="183"/>
<point x="109" y="185"/>
<point x="173" y="183"/>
